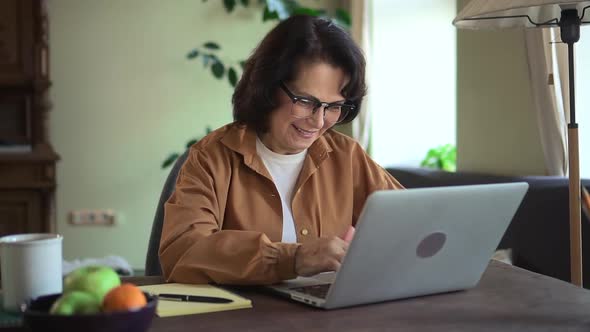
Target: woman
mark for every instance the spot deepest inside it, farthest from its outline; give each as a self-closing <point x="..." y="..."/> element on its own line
<point x="266" y="198"/>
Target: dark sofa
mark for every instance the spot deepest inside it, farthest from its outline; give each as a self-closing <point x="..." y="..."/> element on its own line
<point x="539" y="232"/>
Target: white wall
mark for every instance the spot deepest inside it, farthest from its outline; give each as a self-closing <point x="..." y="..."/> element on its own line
<point x="124" y="96"/>
<point x="496" y="127"/>
<point x="412" y="86"/>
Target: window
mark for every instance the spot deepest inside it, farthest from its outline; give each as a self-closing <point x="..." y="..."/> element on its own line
<point x="412" y="79"/>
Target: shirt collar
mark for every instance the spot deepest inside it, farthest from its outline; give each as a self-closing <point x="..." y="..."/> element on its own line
<point x="242" y="139"/>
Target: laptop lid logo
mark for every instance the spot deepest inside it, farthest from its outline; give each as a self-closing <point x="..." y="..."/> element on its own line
<point x="431" y="244"/>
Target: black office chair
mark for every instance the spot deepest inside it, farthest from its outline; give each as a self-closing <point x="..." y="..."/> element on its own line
<point x="152" y="260"/>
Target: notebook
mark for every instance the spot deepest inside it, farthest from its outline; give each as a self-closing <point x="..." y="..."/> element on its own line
<point x="176" y="308"/>
<point x="415" y="242"/>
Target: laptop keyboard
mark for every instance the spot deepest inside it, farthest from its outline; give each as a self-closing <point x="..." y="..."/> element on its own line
<point x="320" y="291"/>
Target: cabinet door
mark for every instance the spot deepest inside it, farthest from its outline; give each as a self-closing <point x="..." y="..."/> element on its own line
<point x="16" y="41"/>
<point x="20" y="212"/>
<point x="15" y="119"/>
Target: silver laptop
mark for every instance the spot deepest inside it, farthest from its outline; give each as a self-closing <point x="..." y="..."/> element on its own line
<point x="415" y="242"/>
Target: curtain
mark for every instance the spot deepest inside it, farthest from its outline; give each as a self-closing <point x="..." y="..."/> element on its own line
<point x="360" y="12"/>
<point x="547" y="64"/>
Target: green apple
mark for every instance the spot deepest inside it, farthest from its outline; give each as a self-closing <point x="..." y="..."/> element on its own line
<point x="75" y="302"/>
<point x="95" y="280"/>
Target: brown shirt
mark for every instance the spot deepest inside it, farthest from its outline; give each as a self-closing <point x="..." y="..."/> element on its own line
<point x="223" y="223"/>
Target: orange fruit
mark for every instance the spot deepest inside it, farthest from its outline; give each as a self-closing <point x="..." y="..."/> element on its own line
<point x="123" y="298"/>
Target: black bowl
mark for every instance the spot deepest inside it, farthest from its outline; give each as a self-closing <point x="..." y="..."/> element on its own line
<point x="37" y="318"/>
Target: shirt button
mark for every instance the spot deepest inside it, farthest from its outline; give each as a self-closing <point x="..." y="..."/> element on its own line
<point x="304" y="231"/>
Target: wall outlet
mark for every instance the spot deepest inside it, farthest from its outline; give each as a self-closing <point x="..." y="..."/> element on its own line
<point x="92" y="217"/>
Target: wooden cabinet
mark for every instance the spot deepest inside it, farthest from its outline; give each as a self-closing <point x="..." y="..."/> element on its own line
<point x="20" y="212"/>
<point x="17" y="41"/>
<point x="15" y="118"/>
<point x="27" y="159"/>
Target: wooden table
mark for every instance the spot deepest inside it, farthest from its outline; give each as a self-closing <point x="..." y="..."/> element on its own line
<point x="506" y="299"/>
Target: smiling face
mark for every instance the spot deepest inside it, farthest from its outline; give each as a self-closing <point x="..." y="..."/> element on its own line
<point x="288" y="134"/>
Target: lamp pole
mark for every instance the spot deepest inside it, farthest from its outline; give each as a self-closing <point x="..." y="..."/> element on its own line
<point x="513" y="14"/>
<point x="569" y="25"/>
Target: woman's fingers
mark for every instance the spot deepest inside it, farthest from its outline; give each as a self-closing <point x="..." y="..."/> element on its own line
<point x="349" y="234"/>
<point x="320" y="255"/>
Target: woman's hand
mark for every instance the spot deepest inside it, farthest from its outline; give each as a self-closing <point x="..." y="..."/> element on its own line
<point x="320" y="255"/>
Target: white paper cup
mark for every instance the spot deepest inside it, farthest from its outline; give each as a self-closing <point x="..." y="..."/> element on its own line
<point x="31" y="266"/>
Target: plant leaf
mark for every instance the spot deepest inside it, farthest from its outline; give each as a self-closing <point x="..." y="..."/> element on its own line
<point x="267" y="15"/>
<point x="278" y="7"/>
<point x="191" y="142"/>
<point x="229" y="5"/>
<point x="208" y="130"/>
<point x="211" y="45"/>
<point x="343" y="16"/>
<point x="282" y="8"/>
<point x="206" y="59"/>
<point x="192" y="54"/>
<point x="218" y="69"/>
<point x="232" y="76"/>
<point x="245" y="3"/>
<point x="442" y="157"/>
<point x="209" y="58"/>
<point x="170" y="160"/>
<point x="309" y="11"/>
<point x="242" y="64"/>
<point x="214" y="58"/>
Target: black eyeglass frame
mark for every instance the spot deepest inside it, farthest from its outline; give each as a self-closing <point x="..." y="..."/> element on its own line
<point x="318" y="103"/>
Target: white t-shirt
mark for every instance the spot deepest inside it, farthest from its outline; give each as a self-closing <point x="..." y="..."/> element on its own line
<point x="284" y="169"/>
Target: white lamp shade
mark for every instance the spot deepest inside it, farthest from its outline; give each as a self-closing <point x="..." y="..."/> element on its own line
<point x="474" y="15"/>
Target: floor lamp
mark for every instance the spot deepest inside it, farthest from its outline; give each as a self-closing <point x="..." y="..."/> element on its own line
<point x="568" y="15"/>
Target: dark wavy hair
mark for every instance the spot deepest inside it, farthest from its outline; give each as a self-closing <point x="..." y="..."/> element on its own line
<point x="296" y="39"/>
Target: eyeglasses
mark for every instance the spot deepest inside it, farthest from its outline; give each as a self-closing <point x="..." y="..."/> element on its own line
<point x="306" y="107"/>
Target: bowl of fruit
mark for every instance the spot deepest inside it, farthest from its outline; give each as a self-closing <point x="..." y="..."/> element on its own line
<point x="93" y="300"/>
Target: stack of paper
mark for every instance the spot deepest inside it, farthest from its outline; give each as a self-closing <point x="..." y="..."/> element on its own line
<point x="168" y="308"/>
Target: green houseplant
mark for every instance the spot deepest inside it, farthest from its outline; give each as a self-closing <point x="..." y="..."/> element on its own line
<point x="441" y="157"/>
<point x="278" y="10"/>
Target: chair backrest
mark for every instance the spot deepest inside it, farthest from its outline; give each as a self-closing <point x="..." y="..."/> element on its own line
<point x="152" y="260"/>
